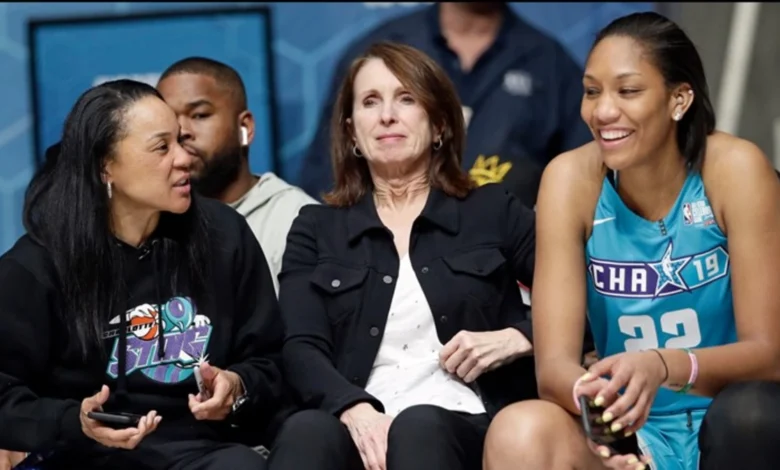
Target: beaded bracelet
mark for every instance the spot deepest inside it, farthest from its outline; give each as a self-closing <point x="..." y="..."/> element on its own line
<point x="694" y="371"/>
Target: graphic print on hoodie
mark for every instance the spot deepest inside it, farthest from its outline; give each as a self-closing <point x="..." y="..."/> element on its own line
<point x="187" y="336"/>
<point x="43" y="378"/>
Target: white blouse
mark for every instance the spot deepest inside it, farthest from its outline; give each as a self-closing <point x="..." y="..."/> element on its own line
<point x="406" y="370"/>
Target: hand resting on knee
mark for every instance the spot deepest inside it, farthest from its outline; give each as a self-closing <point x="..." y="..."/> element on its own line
<point x="368" y="429"/>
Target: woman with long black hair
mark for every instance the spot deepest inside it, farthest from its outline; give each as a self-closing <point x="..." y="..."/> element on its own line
<point x="125" y="283"/>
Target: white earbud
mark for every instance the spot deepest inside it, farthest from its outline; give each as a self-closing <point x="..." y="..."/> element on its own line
<point x="244" y="136"/>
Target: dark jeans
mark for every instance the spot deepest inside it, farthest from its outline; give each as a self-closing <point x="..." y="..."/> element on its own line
<point x="742" y="428"/>
<point x="422" y="437"/>
<point x="176" y="455"/>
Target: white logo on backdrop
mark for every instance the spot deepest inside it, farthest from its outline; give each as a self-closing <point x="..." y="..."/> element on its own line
<point x="149" y="78"/>
<point x="392" y="4"/>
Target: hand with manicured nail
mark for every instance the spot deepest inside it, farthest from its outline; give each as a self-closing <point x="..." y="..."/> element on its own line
<point x="591" y="386"/>
<point x="639" y="375"/>
<point x="613" y="461"/>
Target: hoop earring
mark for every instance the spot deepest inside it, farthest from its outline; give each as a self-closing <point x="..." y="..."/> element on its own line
<point x="356" y="151"/>
<point x="437" y="145"/>
<point x="108" y="189"/>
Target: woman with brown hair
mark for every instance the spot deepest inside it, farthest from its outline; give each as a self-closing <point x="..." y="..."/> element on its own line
<point x="405" y="327"/>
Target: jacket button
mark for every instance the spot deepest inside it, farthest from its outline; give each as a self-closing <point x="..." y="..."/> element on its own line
<point x="443" y="319"/>
<point x="425" y="270"/>
<point x="373" y="331"/>
<point x="387" y="279"/>
<point x="335" y="283"/>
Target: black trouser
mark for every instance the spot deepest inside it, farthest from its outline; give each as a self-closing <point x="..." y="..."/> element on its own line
<point x="742" y="428"/>
<point x="170" y="455"/>
<point x="423" y="437"/>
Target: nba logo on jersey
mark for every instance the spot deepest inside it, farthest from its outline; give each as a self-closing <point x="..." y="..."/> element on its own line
<point x="697" y="212"/>
<point x="687" y="214"/>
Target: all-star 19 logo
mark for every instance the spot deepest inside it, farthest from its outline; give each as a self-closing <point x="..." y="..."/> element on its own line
<point x="668" y="276"/>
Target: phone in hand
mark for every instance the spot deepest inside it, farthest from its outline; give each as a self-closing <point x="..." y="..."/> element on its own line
<point x="33" y="461"/>
<point x="599" y="432"/>
<point x="204" y="393"/>
<point x="115" y="420"/>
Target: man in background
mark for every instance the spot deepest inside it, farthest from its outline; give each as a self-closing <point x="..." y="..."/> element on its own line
<point x="521" y="92"/>
<point x="210" y="101"/>
<point x="217" y="127"/>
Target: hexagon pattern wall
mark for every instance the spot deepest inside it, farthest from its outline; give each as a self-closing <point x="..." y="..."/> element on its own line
<point x="308" y="39"/>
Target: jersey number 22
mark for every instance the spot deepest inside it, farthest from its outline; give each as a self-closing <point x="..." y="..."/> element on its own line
<point x="681" y="325"/>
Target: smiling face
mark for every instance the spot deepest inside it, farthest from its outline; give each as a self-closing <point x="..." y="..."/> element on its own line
<point x="628" y="105"/>
<point x="149" y="170"/>
<point x="390" y="125"/>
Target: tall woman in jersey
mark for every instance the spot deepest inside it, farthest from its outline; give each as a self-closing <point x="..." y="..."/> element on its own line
<point x="666" y="233"/>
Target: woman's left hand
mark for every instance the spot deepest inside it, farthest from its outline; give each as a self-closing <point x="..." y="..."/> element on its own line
<point x="470" y="354"/>
<point x="224" y="386"/>
<point x="10" y="459"/>
<point x="640" y="375"/>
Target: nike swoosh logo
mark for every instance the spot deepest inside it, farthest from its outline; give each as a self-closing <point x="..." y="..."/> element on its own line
<point x="601" y="221"/>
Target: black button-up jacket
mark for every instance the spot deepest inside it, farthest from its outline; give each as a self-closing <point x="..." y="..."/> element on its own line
<point x="339" y="272"/>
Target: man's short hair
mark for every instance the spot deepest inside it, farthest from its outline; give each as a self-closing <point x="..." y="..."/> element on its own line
<point x="225" y="75"/>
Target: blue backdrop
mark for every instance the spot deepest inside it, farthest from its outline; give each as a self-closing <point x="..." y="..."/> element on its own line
<point x="307" y="40"/>
<point x="66" y="62"/>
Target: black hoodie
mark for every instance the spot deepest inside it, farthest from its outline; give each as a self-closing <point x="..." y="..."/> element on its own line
<point x="43" y="379"/>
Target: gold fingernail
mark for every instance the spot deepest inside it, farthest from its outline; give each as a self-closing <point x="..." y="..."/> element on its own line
<point x="641" y="466"/>
<point x="616" y="427"/>
<point x="599" y="400"/>
<point x="632" y="460"/>
<point x="628" y="433"/>
<point x="586" y="376"/>
<point x="604" y="452"/>
<point x="607" y="416"/>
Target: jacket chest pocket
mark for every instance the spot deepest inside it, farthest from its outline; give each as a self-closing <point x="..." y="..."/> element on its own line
<point x="342" y="288"/>
<point x="479" y="273"/>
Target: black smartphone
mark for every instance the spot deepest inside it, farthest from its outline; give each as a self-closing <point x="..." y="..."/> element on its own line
<point x="33" y="461"/>
<point x="599" y="432"/>
<point x="122" y="420"/>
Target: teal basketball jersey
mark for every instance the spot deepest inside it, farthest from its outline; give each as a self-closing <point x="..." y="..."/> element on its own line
<point x="664" y="284"/>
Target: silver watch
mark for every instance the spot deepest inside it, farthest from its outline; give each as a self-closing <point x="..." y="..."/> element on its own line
<point x="242" y="399"/>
